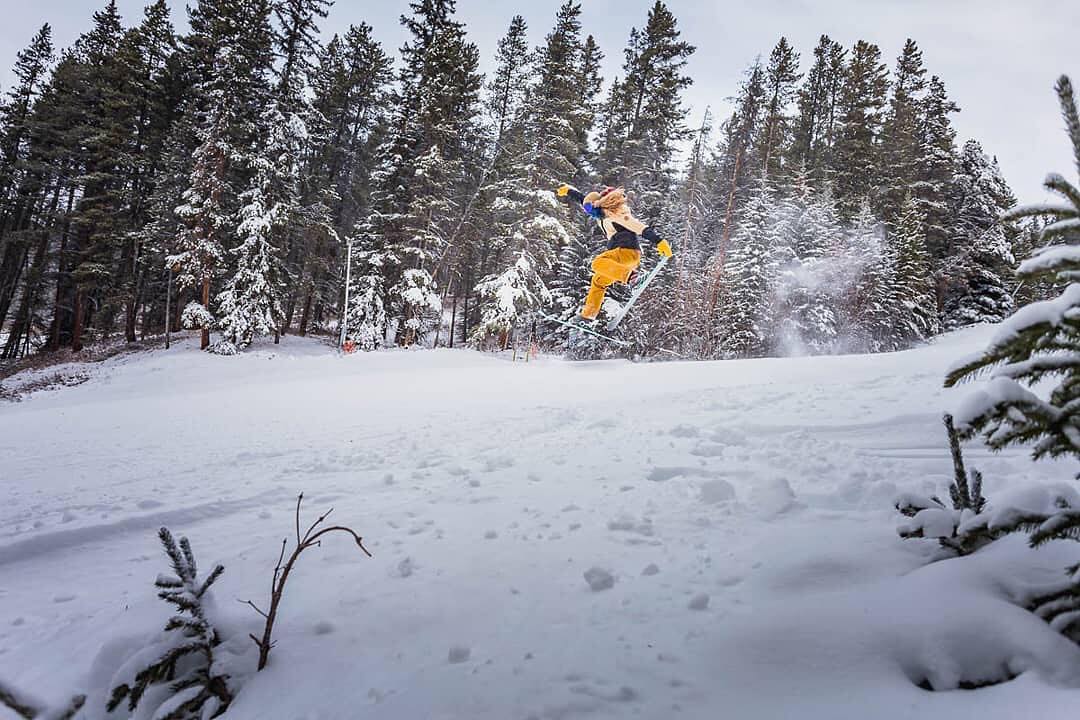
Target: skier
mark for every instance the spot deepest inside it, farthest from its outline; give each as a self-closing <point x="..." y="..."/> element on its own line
<point x="620" y="261"/>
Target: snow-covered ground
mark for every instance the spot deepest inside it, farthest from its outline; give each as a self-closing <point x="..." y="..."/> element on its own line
<point x="742" y="510"/>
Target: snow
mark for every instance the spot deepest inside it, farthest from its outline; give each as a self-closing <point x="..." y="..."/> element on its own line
<point x="735" y="517"/>
<point x="1053" y="258"/>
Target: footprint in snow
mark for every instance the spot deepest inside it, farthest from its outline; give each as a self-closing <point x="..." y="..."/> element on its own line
<point x="684" y="431"/>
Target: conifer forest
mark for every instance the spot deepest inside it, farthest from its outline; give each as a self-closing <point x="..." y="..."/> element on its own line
<point x="233" y="178"/>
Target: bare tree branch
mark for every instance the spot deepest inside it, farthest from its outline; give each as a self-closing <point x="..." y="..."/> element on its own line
<point x="309" y="539"/>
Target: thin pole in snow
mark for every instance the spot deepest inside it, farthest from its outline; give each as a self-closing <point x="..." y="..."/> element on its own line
<point x="345" y="308"/>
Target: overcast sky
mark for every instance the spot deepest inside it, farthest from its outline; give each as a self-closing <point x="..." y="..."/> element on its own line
<point x="999" y="59"/>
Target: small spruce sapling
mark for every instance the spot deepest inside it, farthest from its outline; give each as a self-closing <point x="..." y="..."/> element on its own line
<point x="186" y="654"/>
<point x="957" y="529"/>
<point x="309" y="539"/>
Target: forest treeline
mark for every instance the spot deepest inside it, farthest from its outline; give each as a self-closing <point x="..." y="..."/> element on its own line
<point x="215" y="179"/>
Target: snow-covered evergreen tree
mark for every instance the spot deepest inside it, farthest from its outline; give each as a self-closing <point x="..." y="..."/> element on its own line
<point x="233" y="43"/>
<point x="251" y="302"/>
<point x="868" y="304"/>
<point x="509" y="296"/>
<point x="423" y="187"/>
<point x="540" y="151"/>
<point x="744" y="316"/>
<point x="935" y="167"/>
<point x="206" y="208"/>
<point x="366" y="318"/>
<point x="974" y="276"/>
<point x="915" y="315"/>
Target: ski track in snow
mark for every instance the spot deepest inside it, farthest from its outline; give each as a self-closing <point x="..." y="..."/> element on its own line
<point x="551" y="540"/>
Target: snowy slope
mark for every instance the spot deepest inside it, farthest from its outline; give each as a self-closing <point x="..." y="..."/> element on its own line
<point x="743" y="510"/>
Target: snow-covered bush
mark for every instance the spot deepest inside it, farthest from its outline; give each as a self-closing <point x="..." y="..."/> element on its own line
<point x="224" y="347"/>
<point x="366" y="319"/>
<point x="960" y="528"/>
<point x="183" y="657"/>
<point x="196" y="317"/>
<point x="417" y="304"/>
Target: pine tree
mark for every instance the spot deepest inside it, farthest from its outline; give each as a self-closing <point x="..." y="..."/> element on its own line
<point x="231" y="95"/>
<point x="915" y="314"/>
<point x="744" y="318"/>
<point x="506" y="91"/>
<point x="639" y="153"/>
<point x="900" y="146"/>
<point x="31" y="74"/>
<point x="366" y="321"/>
<point x="861" y="103"/>
<point x="814" y="128"/>
<point x="151" y="49"/>
<point x="974" y="276"/>
<point x="300" y="233"/>
<point x="1037" y="344"/>
<point x="737" y="154"/>
<point x="185" y="653"/>
<point x="542" y="151"/>
<point x="206" y="208"/>
<point x="934" y="171"/>
<point x="251" y="302"/>
<point x="19" y="178"/>
<point x="781" y="75"/>
<point x="425" y="189"/>
<point x="104" y="94"/>
<point x="589" y="86"/>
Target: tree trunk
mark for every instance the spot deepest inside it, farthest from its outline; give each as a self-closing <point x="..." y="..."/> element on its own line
<point x="80" y="310"/>
<point x="453" y="320"/>
<point x="465" y="319"/>
<point x="62" y="281"/>
<point x="305" y="315"/>
<point x="205" y="342"/>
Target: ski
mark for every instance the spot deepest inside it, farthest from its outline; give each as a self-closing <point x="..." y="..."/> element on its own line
<point x="582" y="328"/>
<point x="614" y="322"/>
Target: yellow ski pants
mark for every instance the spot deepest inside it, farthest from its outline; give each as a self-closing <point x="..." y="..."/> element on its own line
<point x="612" y="266"/>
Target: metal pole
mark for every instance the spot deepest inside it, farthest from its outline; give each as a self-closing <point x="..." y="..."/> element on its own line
<point x="168" y="307"/>
<point x="345" y="308"/>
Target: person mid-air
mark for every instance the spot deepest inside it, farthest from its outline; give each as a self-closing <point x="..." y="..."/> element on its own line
<point x="619" y="263"/>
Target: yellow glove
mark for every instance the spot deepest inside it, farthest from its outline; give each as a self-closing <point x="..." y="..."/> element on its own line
<point x="664" y="248"/>
<point x="563" y="190"/>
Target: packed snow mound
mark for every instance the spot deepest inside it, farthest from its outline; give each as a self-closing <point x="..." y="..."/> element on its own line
<point x="551" y="539"/>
